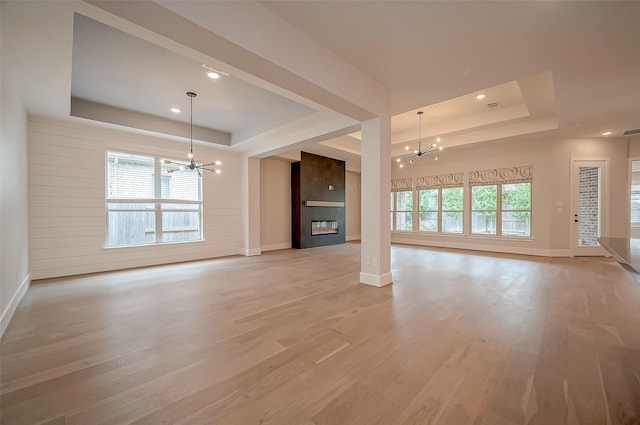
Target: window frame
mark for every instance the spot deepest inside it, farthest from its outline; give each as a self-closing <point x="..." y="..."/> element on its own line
<point x="500" y="211"/>
<point x="503" y="211"/>
<point x="634" y="193"/>
<point x="159" y="204"/>
<point x="443" y="211"/>
<point x="495" y="211"/>
<point x="415" y="216"/>
<point x="438" y="211"/>
<point x="395" y="211"/>
<point x="498" y="179"/>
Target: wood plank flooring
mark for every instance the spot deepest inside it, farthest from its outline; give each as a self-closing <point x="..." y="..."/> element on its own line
<point x="291" y="338"/>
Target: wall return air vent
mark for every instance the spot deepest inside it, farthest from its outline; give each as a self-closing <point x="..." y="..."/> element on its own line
<point x="631" y="132"/>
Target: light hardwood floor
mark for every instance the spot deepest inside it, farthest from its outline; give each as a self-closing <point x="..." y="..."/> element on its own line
<point x="291" y="338"/>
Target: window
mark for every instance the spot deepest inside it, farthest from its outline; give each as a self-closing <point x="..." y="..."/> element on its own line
<point x="516" y="209"/>
<point x="452" y="209"/>
<point x="441" y="210"/>
<point x="402" y="210"/>
<point x="500" y="203"/>
<point x="429" y="207"/>
<point x="511" y="200"/>
<point x="145" y="205"/>
<point x="635" y="204"/>
<point x="484" y="204"/>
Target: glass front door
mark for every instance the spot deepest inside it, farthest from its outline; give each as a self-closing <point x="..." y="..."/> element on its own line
<point x="588" y="177"/>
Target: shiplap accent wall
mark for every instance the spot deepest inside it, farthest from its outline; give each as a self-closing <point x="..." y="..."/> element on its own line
<point x="67" y="209"/>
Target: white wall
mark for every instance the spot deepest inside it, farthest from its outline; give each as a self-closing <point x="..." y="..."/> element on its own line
<point x="352" y="205"/>
<point x="275" y="204"/>
<point x="67" y="208"/>
<point x="551" y="161"/>
<point x="617" y="204"/>
<point x="14" y="255"/>
<point x="634" y="147"/>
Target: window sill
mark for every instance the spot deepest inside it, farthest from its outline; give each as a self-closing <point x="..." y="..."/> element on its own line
<point x="151" y="245"/>
<point x="465" y="236"/>
<point x="502" y="238"/>
<point x="437" y="234"/>
<point x="440" y="234"/>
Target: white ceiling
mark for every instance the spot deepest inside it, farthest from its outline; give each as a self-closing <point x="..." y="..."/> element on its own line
<point x="556" y="69"/>
<point x="436" y="56"/>
<point x="430" y="51"/>
<point x="114" y="68"/>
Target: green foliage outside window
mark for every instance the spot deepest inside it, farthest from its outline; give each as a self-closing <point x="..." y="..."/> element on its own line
<point x="452" y="199"/>
<point x="403" y="211"/>
<point x="484" y="200"/>
<point x="428" y="200"/>
<point x="428" y="218"/>
<point x="517" y="197"/>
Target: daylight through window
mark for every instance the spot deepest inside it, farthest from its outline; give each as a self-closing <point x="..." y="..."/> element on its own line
<point x="145" y="206"/>
<point x="501" y="209"/>
<point x="402" y="211"/>
<point x="498" y="203"/>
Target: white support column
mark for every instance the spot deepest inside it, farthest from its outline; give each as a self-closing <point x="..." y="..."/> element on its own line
<point x="251" y="207"/>
<point x="375" y="267"/>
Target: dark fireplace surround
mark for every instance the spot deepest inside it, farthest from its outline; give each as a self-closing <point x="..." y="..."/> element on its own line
<point x="317" y="201"/>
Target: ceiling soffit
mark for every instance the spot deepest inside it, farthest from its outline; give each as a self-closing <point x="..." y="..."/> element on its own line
<point x="114" y="71"/>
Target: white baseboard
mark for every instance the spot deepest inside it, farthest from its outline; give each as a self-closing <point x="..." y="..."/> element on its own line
<point x="352" y="238"/>
<point x="378" y="280"/>
<point x="250" y="252"/>
<point x="488" y="248"/>
<point x="276" y="246"/>
<point x="7" y="314"/>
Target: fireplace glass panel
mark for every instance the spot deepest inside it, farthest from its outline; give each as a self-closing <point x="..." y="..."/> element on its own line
<point x="324" y="227"/>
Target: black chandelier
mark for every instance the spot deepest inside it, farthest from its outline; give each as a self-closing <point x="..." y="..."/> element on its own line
<point x="191" y="165"/>
<point x="419" y="153"/>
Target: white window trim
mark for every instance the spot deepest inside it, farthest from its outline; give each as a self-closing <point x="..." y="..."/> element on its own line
<point x="490" y="177"/>
<point x="499" y="211"/>
<point x="394" y="212"/>
<point x="157" y="202"/>
<point x="440" y="212"/>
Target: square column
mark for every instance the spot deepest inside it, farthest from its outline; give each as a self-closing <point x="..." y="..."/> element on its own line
<point x="375" y="262"/>
<point x="251" y="207"/>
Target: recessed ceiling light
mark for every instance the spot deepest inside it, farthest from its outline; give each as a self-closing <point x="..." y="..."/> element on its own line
<point x="214" y="71"/>
<point x="480" y="96"/>
<point x="175" y="110"/>
<point x="213" y="75"/>
<point x="607" y="133"/>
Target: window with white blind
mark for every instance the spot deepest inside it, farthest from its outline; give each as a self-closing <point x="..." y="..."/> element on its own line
<point x="147" y="204"/>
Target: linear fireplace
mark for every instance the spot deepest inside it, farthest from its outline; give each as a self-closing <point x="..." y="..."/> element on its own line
<point x="324" y="227"/>
<point x="317" y="201"/>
